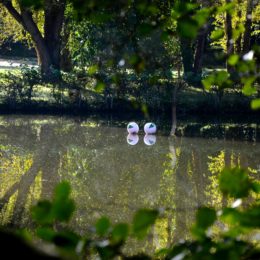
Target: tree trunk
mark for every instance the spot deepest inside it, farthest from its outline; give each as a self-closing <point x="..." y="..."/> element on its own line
<point x="54" y="18"/>
<point x="65" y="62"/>
<point x="230" y="42"/>
<point x="201" y="40"/>
<point x="187" y="55"/>
<point x="197" y="68"/>
<point x="248" y="27"/>
<point x="239" y="39"/>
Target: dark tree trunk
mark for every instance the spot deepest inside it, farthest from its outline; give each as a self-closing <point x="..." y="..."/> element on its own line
<point x="230" y="43"/>
<point x="200" y="47"/>
<point x="65" y="62"/>
<point x="43" y="55"/>
<point x="239" y="39"/>
<point x="187" y="55"/>
<point x="197" y="68"/>
<point x="54" y="18"/>
<point x="248" y="27"/>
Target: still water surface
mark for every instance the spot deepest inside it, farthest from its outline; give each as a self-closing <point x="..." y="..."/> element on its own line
<point x="111" y="177"/>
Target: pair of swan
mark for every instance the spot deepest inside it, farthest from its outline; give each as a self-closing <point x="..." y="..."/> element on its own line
<point x="149" y="128"/>
<point x="133" y="139"/>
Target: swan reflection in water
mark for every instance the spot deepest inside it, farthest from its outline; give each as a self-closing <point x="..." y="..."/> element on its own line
<point x="149" y="139"/>
<point x="132" y="139"/>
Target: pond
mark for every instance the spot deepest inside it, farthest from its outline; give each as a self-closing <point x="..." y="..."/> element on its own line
<point x="111" y="177"/>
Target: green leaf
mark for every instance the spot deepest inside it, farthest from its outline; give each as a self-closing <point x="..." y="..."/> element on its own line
<point x="100" y="86"/>
<point x="229" y="7"/>
<point x="256" y="187"/>
<point x="46" y="234"/>
<point x="217" y="34"/>
<point x="62" y="191"/>
<point x="235" y="182"/>
<point x="248" y="218"/>
<point x="238" y="31"/>
<point x="42" y="212"/>
<point x="208" y="82"/>
<point x="63" y="207"/>
<point x="230" y="216"/>
<point x="120" y="232"/>
<point x="221" y="77"/>
<point x="63" y="210"/>
<point x="187" y="28"/>
<point x="255" y="104"/>
<point x="102" y="226"/>
<point x="251" y="217"/>
<point x="143" y="220"/>
<point x="248" y="88"/>
<point x="205" y="217"/>
<point x="233" y="59"/>
<point x="92" y="69"/>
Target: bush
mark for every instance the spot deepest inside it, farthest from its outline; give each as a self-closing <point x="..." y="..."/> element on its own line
<point x="18" y="86"/>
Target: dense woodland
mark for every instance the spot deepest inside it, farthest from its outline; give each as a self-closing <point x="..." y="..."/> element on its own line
<point x="138" y="54"/>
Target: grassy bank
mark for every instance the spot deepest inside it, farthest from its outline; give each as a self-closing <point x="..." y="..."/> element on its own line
<point x="189" y="101"/>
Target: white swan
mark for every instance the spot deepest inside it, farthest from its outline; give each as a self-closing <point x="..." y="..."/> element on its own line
<point x="132" y="128"/>
<point x="150" y="128"/>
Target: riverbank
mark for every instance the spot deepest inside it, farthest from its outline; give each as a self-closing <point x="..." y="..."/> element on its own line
<point x="23" y="91"/>
<point x="189" y="101"/>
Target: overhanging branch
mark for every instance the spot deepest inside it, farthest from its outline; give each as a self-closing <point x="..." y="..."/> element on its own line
<point x="9" y="6"/>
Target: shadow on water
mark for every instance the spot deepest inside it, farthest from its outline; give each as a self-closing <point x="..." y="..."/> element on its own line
<point x="111" y="177"/>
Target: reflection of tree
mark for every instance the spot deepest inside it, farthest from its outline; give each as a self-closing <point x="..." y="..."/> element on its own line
<point x="45" y="160"/>
<point x="108" y="176"/>
<point x="164" y="228"/>
<point x="225" y="158"/>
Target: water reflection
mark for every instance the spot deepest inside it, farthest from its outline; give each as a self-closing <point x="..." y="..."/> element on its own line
<point x="132" y="139"/>
<point x="110" y="177"/>
<point x="150" y="139"/>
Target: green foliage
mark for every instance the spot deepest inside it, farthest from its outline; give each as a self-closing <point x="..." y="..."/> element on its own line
<point x="107" y="240"/>
<point x="255" y="104"/>
<point x="217" y="34"/>
<point x="204" y="219"/>
<point x="219" y="79"/>
<point x="60" y="209"/>
<point x="120" y="233"/>
<point x="102" y="226"/>
<point x="235" y="183"/>
<point x="143" y="220"/>
<point x="117" y="42"/>
<point x="18" y="87"/>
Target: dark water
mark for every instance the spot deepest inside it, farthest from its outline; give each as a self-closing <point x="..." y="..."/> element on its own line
<point x="110" y="177"/>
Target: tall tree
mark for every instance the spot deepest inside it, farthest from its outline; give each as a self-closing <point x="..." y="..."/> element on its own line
<point x="201" y="39"/>
<point x="228" y="28"/>
<point x="187" y="54"/>
<point x="47" y="44"/>
<point x="197" y="68"/>
<point x="248" y="27"/>
<point x="239" y="16"/>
